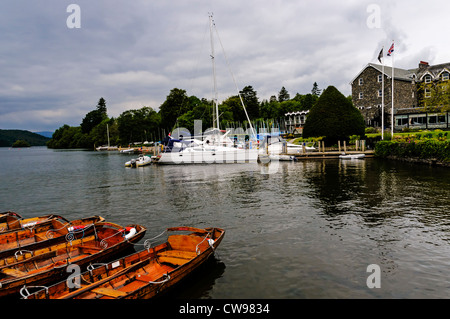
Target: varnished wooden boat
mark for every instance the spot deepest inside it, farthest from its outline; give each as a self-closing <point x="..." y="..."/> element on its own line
<point x="142" y="275"/>
<point x="46" y="232"/>
<point x="10" y="221"/>
<point x="49" y="264"/>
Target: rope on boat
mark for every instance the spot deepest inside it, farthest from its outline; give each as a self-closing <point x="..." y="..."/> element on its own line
<point x="21" y="252"/>
<point x="25" y="293"/>
<point x="148" y="243"/>
<point x="70" y="236"/>
<point x="95" y="265"/>
<point x="210" y="242"/>
<point x="160" y="282"/>
<point x="104" y="242"/>
<point x="30" y="226"/>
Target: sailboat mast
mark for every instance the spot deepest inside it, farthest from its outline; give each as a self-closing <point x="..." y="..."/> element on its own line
<point x="216" y="103"/>
<point x="107" y="132"/>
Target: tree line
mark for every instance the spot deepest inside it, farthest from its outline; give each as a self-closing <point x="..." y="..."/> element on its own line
<point x="178" y="110"/>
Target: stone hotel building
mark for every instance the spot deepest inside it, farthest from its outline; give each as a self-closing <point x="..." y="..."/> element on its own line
<point x="413" y="92"/>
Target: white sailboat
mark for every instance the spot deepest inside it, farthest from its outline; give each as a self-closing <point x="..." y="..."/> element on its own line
<point x="213" y="147"/>
<point x="107" y="147"/>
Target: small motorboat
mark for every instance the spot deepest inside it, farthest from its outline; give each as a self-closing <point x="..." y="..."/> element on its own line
<point x="352" y="156"/>
<point x="142" y="160"/>
<point x="142" y="275"/>
<point x="127" y="150"/>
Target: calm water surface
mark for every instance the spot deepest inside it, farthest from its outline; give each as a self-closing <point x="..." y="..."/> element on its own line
<point x="304" y="230"/>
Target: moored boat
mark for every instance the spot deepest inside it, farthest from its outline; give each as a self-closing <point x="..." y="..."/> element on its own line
<point x="142" y="275"/>
<point x="352" y="156"/>
<point x="50" y="264"/>
<point x="142" y="160"/>
<point x="10" y="221"/>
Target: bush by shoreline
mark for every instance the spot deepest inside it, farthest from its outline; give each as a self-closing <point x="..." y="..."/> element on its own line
<point x="431" y="151"/>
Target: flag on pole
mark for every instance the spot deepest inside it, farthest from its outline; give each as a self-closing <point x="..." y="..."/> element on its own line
<point x="380" y="55"/>
<point x="391" y="49"/>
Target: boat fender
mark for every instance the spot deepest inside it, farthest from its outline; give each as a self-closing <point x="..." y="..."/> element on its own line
<point x="30" y="224"/>
<point x="211" y="242"/>
<point x="128" y="232"/>
<point x="75" y="228"/>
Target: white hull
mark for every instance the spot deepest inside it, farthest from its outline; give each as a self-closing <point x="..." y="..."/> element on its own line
<point x="352" y="156"/>
<point x="140" y="161"/>
<point x="219" y="155"/>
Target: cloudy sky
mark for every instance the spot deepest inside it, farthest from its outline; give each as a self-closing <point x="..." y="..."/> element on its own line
<point x="132" y="53"/>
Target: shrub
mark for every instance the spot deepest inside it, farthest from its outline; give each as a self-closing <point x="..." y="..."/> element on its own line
<point x="432" y="149"/>
<point x="334" y="117"/>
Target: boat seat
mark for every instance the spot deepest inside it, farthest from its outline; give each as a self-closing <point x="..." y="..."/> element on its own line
<point x="13" y="272"/>
<point x="176" y="257"/>
<point x="178" y="254"/>
<point x="109" y="292"/>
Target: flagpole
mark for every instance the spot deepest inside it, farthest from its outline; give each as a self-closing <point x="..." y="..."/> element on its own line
<point x="392" y="110"/>
<point x="382" y="96"/>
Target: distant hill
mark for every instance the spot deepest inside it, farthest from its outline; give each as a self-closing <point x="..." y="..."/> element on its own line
<point x="45" y="133"/>
<point x="8" y="137"/>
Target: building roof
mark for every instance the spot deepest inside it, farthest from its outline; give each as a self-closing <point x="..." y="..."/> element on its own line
<point x="399" y="74"/>
<point x="433" y="70"/>
<point x="409" y="74"/>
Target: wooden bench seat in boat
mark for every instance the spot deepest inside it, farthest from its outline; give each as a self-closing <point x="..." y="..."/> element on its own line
<point x="13" y="272"/>
<point x="109" y="292"/>
<point x="176" y="257"/>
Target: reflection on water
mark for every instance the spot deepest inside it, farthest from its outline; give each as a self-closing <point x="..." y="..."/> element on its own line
<point x="305" y="229"/>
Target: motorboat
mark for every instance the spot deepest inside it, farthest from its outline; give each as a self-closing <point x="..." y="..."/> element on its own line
<point x="142" y="160"/>
<point x="352" y="156"/>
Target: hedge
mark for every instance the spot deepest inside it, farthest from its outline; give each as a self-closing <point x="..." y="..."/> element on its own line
<point x="427" y="149"/>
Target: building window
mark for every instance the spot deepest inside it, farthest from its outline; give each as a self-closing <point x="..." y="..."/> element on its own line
<point x="380" y="78"/>
<point x="445" y="76"/>
<point x="361" y="81"/>
<point x="361" y="95"/>
<point x="427" y="93"/>
<point x="380" y="93"/>
<point x="428" y="79"/>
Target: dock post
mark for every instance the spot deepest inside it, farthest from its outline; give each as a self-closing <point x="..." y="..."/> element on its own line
<point x="345" y="146"/>
<point x="339" y="146"/>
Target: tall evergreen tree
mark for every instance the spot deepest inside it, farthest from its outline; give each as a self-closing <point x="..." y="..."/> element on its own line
<point x="334" y="117"/>
<point x="175" y="105"/>
<point x="95" y="117"/>
<point x="283" y="95"/>
<point x="249" y="95"/>
<point x="315" y="90"/>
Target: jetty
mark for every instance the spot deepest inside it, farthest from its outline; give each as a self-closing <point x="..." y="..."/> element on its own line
<point x="322" y="152"/>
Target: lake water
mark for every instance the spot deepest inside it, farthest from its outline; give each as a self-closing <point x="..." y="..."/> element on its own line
<point x="298" y="230"/>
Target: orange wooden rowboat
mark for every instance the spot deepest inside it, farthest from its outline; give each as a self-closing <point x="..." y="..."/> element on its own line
<point x="142" y="275"/>
<point x="50" y="265"/>
<point x="10" y="220"/>
<point x="53" y="230"/>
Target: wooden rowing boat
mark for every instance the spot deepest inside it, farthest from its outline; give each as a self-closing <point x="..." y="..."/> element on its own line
<point x="49" y="264"/>
<point x="142" y="275"/>
<point x="46" y="232"/>
<point x="10" y="221"/>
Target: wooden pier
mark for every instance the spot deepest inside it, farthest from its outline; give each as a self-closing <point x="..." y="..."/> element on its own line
<point x="329" y="154"/>
<point x="332" y="152"/>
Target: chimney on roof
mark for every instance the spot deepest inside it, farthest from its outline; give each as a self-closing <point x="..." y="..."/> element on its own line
<point x="423" y="65"/>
